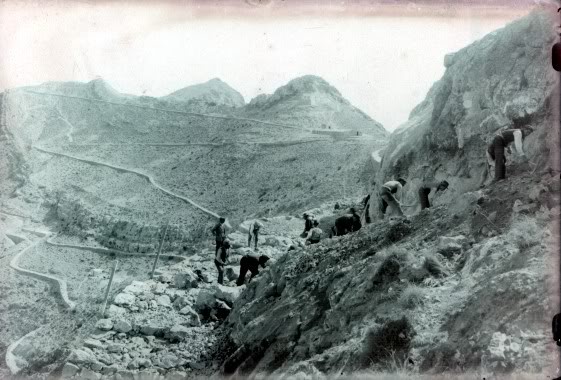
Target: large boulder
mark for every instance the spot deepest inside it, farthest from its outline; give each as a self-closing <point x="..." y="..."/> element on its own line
<point x="205" y="300"/>
<point x="226" y="293"/>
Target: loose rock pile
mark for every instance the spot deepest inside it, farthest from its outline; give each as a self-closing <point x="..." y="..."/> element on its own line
<point x="164" y="327"/>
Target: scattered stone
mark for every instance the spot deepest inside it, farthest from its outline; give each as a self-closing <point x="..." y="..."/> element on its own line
<point x="169" y="361"/>
<point x="160" y="288"/>
<point x="519" y="208"/>
<point x="88" y="374"/>
<point x="69" y="370"/>
<point x="177" y="333"/>
<point x="115" y="311"/>
<point x="93" y="343"/>
<point x="186" y="280"/>
<point x="166" y="278"/>
<point x="108" y="370"/>
<point x="122" y="326"/>
<point x="196" y="365"/>
<point x="124" y="299"/>
<point x="193" y="319"/>
<point x="82" y="356"/>
<point x="181" y="302"/>
<point x="115" y="348"/>
<point x="150" y="328"/>
<point x="164" y="300"/>
<point x="136" y="288"/>
<point x="104" y="324"/>
<point x="97" y="366"/>
<point x="124" y="375"/>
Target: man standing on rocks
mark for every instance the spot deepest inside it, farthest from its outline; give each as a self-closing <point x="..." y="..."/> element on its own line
<point x="426" y="188"/>
<point x="220" y="260"/>
<point x="387" y="197"/>
<point x="251" y="263"/>
<point x="253" y="233"/>
<point x="496" y="150"/>
<point x="219" y="231"/>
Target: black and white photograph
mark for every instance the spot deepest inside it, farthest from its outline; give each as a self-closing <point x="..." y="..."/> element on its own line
<point x="280" y="189"/>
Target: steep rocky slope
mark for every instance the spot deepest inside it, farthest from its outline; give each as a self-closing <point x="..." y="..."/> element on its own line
<point x="463" y="286"/>
<point x="503" y="80"/>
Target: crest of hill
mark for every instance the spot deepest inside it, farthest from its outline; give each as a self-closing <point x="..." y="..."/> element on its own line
<point x="311" y="102"/>
<point x="214" y="91"/>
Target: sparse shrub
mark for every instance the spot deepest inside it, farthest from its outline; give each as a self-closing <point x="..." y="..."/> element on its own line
<point x="411" y="297"/>
<point x="398" y="231"/>
<point x="433" y="265"/>
<point x="525" y="232"/>
<point x="391" y="341"/>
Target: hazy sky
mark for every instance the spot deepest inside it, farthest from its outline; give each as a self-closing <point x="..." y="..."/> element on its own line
<point x="381" y="63"/>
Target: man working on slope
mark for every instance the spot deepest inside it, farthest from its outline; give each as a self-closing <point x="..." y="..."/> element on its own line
<point x="387" y="198"/>
<point x="253" y="233"/>
<point x="219" y="232"/>
<point x="426" y="188"/>
<point x="496" y="150"/>
<point x="307" y="224"/>
<point x="315" y="234"/>
<point x="251" y="263"/>
<point x="220" y="259"/>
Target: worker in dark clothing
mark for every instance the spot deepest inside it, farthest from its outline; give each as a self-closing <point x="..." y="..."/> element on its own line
<point x="496" y="150"/>
<point x="356" y="220"/>
<point x="425" y="189"/>
<point x="219" y="232"/>
<point x="220" y="259"/>
<point x="366" y="212"/>
<point x="307" y="224"/>
<point x="251" y="263"/>
<point x="314" y="236"/>
<point x="387" y="198"/>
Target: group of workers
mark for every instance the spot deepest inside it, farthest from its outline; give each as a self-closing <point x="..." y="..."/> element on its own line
<point x="249" y="263"/>
<point x="389" y="195"/>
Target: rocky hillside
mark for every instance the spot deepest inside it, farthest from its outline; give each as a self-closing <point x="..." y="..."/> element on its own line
<point x="311" y="102"/>
<point x="504" y="79"/>
<point x="118" y="166"/>
<point x="463" y="286"/>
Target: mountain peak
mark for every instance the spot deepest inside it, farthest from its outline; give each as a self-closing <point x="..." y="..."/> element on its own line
<point x="214" y="91"/>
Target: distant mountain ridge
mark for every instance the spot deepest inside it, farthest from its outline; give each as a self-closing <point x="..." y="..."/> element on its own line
<point x="308" y="102"/>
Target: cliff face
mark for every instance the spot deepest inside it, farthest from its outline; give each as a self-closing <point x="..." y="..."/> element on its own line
<point x="504" y="79"/>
